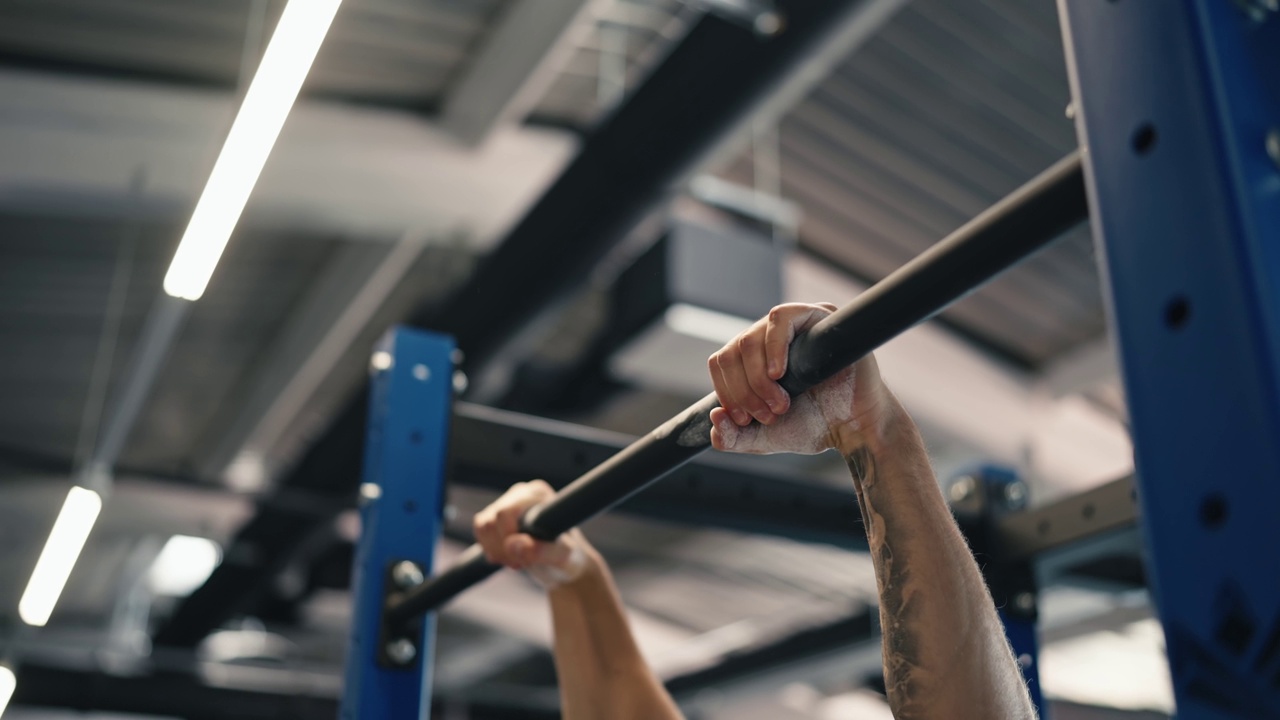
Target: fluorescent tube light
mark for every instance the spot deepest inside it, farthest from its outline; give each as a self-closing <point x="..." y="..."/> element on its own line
<point x="8" y="683"/>
<point x="183" y="565"/>
<point x="266" y="106"/>
<point x="66" y="540"/>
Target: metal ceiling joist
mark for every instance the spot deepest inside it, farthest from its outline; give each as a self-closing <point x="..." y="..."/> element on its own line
<point x="73" y="147"/>
<point x="691" y="105"/>
<point x="519" y="60"/>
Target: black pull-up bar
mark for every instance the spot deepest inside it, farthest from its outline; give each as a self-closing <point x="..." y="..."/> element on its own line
<point x="1023" y="222"/>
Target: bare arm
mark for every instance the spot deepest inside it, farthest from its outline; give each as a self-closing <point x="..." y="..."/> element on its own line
<point x="602" y="674"/>
<point x="945" y="651"/>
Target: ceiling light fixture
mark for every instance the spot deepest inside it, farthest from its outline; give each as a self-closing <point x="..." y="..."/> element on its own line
<point x="183" y="565"/>
<point x="8" y="683"/>
<point x="266" y="106"/>
<point x="66" y="540"/>
<point x="694" y="290"/>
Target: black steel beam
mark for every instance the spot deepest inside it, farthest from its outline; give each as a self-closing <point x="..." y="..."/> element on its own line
<point x="710" y="83"/>
<point x="184" y="696"/>
<point x="1027" y="220"/>
<point x="169" y="695"/>
<point x="269" y="540"/>
<point x="494" y="448"/>
<point x="861" y="628"/>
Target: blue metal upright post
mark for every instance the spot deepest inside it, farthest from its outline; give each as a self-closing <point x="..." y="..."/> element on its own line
<point x="410" y="405"/>
<point x="1178" y="111"/>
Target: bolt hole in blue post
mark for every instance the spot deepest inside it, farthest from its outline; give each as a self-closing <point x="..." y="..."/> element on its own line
<point x="410" y="406"/>
<point x="1178" y="113"/>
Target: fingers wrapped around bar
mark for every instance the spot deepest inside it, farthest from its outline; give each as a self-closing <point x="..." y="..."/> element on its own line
<point x="497" y="530"/>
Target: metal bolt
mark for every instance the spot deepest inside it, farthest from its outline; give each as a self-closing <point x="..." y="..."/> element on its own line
<point x="457" y="356"/>
<point x="421" y="372"/>
<point x="381" y="360"/>
<point x="402" y="651"/>
<point x="1273" y="146"/>
<point x="1015" y="494"/>
<point x="460" y="382"/>
<point x="406" y="574"/>
<point x="369" y="492"/>
<point x="1024" y="602"/>
<point x="963" y="488"/>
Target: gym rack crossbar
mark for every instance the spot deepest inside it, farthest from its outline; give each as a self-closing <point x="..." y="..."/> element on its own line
<point x="1182" y="179"/>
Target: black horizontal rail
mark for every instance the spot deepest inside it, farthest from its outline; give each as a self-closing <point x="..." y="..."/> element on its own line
<point x="494" y="449"/>
<point x="1017" y="226"/>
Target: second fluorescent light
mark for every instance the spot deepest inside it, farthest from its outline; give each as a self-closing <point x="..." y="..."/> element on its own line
<point x="8" y="683"/>
<point x="61" y="550"/>
<point x="266" y="106"/>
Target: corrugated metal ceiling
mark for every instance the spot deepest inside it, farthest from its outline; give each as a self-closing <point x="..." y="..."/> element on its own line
<point x="402" y="53"/>
<point x="385" y="51"/>
<point x="949" y="108"/>
<point x="55" y="284"/>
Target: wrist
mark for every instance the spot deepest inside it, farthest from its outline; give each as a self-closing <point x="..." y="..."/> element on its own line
<point x="873" y="428"/>
<point x="591" y="567"/>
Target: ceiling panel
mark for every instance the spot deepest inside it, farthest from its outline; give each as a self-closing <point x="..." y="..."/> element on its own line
<point x="258" y="281"/>
<point x="55" y="282"/>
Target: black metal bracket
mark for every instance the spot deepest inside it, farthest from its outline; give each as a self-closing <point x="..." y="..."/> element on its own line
<point x="980" y="500"/>
<point x="399" y="644"/>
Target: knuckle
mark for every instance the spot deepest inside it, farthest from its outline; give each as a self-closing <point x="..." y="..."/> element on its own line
<point x="509" y="515"/>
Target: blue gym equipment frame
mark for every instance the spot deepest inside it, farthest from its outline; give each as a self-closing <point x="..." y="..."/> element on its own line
<point x="401" y="514"/>
<point x="1177" y="106"/>
<point x="1177" y="103"/>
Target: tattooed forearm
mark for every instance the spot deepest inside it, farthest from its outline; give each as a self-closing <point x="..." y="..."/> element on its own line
<point x="902" y="662"/>
<point x="945" y="653"/>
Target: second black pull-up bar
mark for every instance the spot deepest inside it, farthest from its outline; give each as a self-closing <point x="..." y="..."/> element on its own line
<point x="1023" y="222"/>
